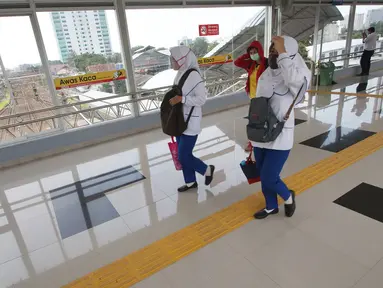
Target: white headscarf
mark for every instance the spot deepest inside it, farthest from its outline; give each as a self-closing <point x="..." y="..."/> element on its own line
<point x="273" y="77"/>
<point x="186" y="59"/>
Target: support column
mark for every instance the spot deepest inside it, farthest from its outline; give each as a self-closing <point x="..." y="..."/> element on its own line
<point x="276" y="17"/>
<point x="122" y="22"/>
<point x="321" y="43"/>
<point x="316" y="30"/>
<point x="350" y="29"/>
<point x="278" y="12"/>
<point x="268" y="29"/>
<point x="45" y="62"/>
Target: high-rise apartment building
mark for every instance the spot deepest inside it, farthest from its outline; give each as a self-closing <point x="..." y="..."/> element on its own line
<point x="359" y="21"/>
<point x="330" y="33"/>
<point x="374" y="16"/>
<point x="81" y="32"/>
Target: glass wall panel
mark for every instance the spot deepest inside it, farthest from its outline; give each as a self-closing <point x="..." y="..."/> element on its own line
<point x="23" y="67"/>
<point x="367" y="16"/>
<point x="238" y="27"/>
<point x="84" y="53"/>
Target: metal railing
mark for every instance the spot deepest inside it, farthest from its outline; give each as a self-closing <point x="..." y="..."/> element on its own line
<point x="34" y="123"/>
<point x="347" y="56"/>
<point x="20" y="126"/>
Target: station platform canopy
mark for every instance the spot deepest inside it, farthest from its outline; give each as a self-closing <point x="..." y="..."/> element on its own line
<point x="105" y="4"/>
<point x="297" y="23"/>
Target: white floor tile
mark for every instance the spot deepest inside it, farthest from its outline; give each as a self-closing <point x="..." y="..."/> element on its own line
<point x="297" y="260"/>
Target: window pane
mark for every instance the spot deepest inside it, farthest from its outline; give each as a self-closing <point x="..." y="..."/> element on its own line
<point x="334" y="38"/>
<point x="151" y="53"/>
<point x="23" y="67"/>
<point x="92" y="53"/>
<point x="367" y="16"/>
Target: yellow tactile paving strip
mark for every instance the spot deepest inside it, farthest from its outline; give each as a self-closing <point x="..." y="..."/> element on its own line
<point x="141" y="264"/>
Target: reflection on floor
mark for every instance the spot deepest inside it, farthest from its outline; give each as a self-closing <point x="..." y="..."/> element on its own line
<point x="337" y="139"/>
<point x="64" y="217"/>
<point x="83" y="204"/>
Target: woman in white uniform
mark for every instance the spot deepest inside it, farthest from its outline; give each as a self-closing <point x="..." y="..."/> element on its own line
<point x="194" y="95"/>
<point x="286" y="77"/>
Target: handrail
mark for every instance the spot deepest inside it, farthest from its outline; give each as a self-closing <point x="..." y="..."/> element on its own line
<point x="159" y="92"/>
<point x="347" y="54"/>
<point x="58" y="115"/>
<point x="108" y="98"/>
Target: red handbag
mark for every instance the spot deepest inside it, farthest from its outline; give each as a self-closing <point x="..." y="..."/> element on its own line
<point x="173" y="147"/>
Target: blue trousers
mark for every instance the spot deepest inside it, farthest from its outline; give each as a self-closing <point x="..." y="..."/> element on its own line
<point x="270" y="164"/>
<point x="190" y="164"/>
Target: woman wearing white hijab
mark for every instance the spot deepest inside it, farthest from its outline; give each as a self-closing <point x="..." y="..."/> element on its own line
<point x="286" y="78"/>
<point x="193" y="95"/>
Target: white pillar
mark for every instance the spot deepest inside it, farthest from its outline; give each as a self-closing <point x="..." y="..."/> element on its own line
<point x="126" y="51"/>
<point x="350" y="29"/>
<point x="44" y="61"/>
<point x="268" y="29"/>
<point x="316" y="30"/>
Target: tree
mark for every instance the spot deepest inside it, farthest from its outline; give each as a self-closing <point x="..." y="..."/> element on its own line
<point x="200" y="46"/>
<point x="309" y="41"/>
<point x="81" y="62"/>
<point x="212" y="46"/>
<point x="303" y="50"/>
<point x="106" y="87"/>
<point x="54" y="62"/>
<point x="378" y="27"/>
<point x="71" y="57"/>
<point x="120" y="86"/>
<point x="357" y="35"/>
<point x="115" y="58"/>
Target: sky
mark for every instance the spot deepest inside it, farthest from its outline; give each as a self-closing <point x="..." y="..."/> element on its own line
<point x="159" y="28"/>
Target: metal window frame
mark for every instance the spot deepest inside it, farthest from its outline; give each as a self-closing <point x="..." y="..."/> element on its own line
<point x="44" y="60"/>
<point x="350" y="30"/>
<point x="126" y="51"/>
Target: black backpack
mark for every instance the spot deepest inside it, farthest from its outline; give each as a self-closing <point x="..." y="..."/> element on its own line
<point x="172" y="117"/>
<point x="263" y="125"/>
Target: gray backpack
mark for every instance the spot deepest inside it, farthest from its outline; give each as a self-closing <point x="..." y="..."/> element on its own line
<point x="263" y="125"/>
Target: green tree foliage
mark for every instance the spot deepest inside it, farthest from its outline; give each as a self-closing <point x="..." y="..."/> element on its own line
<point x="303" y="50"/>
<point x="200" y="46"/>
<point x="120" y="86"/>
<point x="54" y="62"/>
<point x="378" y="27"/>
<point x="115" y="58"/>
<point x="81" y="62"/>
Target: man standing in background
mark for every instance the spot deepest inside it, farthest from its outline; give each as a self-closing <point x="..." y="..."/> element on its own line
<point x="369" y="48"/>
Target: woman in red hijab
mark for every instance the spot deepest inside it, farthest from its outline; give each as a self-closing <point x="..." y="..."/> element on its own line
<point x="254" y="62"/>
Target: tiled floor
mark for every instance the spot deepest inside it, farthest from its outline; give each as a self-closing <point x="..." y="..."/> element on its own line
<point x="323" y="245"/>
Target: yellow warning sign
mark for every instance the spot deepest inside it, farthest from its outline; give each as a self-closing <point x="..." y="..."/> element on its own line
<point x="89" y="79"/>
<point x="220" y="59"/>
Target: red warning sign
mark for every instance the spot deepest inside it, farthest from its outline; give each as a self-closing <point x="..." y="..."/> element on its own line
<point x="208" y="30"/>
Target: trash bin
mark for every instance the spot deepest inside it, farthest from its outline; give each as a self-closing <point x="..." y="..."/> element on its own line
<point x="326" y="73"/>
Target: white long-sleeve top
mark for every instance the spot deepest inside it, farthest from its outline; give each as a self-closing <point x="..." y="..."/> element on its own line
<point x="281" y="86"/>
<point x="194" y="94"/>
<point x="370" y="42"/>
